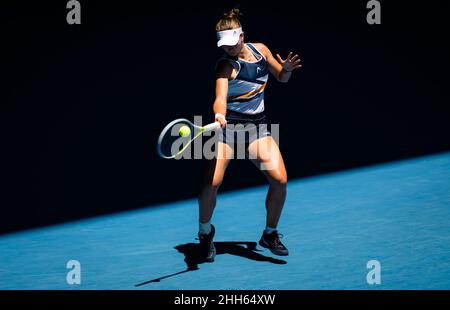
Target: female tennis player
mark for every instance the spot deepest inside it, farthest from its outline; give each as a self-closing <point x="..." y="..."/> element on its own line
<point x="241" y="76"/>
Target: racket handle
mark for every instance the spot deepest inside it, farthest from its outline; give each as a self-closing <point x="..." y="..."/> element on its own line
<point x="211" y="127"/>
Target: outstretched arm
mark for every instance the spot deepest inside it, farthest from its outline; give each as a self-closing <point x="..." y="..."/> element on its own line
<point x="281" y="69"/>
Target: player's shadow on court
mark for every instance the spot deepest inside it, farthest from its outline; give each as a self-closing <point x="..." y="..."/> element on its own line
<point x="193" y="256"/>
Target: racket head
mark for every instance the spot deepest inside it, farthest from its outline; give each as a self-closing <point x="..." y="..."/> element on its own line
<point x="170" y="143"/>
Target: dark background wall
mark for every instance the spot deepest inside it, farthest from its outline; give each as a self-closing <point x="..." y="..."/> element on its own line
<point x="82" y="106"/>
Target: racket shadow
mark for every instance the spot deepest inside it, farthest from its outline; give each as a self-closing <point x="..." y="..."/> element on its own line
<point x="193" y="257"/>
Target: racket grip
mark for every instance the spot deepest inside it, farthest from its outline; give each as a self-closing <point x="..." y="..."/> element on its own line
<point x="211" y="127"/>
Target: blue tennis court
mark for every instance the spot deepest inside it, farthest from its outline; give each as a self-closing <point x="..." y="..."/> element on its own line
<point x="396" y="213"/>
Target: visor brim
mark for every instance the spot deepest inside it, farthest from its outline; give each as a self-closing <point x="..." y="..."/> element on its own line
<point x="228" y="41"/>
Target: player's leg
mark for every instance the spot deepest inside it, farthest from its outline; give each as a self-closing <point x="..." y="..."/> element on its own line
<point x="214" y="173"/>
<point x="266" y="155"/>
<point x="268" y="158"/>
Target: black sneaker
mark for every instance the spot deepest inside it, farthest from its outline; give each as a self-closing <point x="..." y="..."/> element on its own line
<point x="207" y="248"/>
<point x="273" y="243"/>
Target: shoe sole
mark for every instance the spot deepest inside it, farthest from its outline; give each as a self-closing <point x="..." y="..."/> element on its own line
<point x="265" y="245"/>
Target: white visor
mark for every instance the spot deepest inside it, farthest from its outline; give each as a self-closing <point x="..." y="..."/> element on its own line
<point x="228" y="37"/>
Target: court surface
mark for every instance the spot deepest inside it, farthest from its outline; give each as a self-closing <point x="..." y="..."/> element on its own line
<point x="397" y="213"/>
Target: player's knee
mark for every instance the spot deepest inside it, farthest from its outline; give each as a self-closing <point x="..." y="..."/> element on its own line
<point x="216" y="182"/>
<point x="213" y="184"/>
<point x="282" y="182"/>
<point x="279" y="181"/>
<point x="283" y="178"/>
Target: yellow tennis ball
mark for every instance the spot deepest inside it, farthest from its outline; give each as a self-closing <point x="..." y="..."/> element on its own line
<point x="184" y="131"/>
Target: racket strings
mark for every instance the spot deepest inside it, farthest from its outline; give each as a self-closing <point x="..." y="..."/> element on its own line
<point x="170" y="141"/>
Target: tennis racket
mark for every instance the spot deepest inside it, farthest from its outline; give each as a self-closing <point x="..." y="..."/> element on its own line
<point x="172" y="141"/>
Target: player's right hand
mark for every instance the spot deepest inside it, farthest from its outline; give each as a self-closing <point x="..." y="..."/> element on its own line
<point x="221" y="119"/>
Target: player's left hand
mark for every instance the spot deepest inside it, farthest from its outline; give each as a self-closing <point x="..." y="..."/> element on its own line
<point x="290" y="63"/>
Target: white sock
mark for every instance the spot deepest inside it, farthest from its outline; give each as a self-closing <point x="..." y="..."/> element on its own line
<point x="269" y="230"/>
<point x="204" y="228"/>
